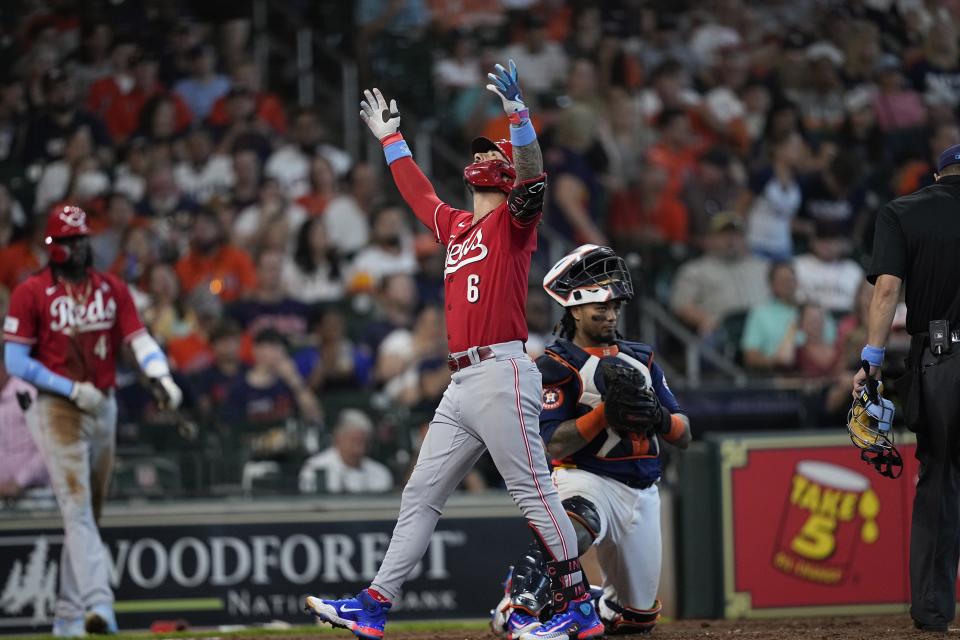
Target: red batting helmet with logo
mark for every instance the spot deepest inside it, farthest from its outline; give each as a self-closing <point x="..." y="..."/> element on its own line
<point x="64" y="222"/>
<point x="491" y="173"/>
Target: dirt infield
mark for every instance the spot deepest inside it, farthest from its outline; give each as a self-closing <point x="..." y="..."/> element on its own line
<point x="843" y="628"/>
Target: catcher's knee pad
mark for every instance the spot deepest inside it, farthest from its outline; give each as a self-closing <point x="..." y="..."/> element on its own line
<point x="621" y="620"/>
<point x="530" y="584"/>
<point x="586" y="521"/>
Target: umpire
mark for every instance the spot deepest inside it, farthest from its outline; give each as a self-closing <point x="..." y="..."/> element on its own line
<point x="917" y="242"/>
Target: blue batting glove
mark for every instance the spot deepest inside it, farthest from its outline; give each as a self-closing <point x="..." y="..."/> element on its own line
<point x="505" y="84"/>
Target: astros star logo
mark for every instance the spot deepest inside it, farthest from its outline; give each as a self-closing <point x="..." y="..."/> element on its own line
<point x="552" y="397"/>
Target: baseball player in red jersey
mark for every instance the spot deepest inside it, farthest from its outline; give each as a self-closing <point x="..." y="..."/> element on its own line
<point x="62" y="333"/>
<point x="494" y="399"/>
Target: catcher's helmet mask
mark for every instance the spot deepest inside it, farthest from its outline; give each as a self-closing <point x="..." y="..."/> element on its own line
<point x="589" y="274"/>
<point x="869" y="425"/>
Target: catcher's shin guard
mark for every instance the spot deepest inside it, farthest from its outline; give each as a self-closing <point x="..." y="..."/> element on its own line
<point x="621" y="620"/>
<point x="530" y="585"/>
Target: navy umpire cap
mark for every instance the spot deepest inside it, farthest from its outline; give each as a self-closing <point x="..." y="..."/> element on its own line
<point x="948" y="157"/>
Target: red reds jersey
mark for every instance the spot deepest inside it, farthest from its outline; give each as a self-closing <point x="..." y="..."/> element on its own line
<point x="488" y="263"/>
<point x="75" y="329"/>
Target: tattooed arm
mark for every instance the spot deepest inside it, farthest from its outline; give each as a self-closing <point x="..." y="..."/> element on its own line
<point x="528" y="161"/>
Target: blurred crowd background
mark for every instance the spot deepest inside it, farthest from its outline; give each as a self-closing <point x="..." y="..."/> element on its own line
<point x="735" y="152"/>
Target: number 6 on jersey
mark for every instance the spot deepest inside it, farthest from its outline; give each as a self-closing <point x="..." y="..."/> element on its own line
<point x="473" y="292"/>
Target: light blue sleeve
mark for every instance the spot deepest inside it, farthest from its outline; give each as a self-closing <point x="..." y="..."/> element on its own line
<point x="17" y="359"/>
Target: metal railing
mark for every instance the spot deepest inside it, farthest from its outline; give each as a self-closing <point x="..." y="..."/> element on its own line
<point x="655" y="320"/>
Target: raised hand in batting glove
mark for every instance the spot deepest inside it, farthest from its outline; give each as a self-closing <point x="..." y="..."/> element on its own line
<point x="86" y="396"/>
<point x="505" y="84"/>
<point x="383" y="121"/>
<point x="629" y="405"/>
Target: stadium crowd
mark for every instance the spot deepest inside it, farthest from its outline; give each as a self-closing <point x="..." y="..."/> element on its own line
<point x="739" y="151"/>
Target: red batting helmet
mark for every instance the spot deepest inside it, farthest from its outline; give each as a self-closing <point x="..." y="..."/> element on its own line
<point x="64" y="222"/>
<point x="491" y="173"/>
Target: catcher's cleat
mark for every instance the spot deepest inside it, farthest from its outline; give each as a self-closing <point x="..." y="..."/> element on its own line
<point x="64" y="628"/>
<point x="621" y="620"/>
<point x="500" y="613"/>
<point x="507" y="621"/>
<point x="579" y="620"/>
<point x="100" y="620"/>
<point x="364" y="616"/>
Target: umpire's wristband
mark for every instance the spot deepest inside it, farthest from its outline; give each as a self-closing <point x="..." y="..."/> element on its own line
<point x="873" y="355"/>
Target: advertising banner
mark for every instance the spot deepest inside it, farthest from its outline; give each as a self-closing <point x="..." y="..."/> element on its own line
<point x="244" y="573"/>
<point x="810" y="528"/>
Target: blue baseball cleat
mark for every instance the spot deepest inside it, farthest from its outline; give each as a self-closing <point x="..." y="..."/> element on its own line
<point x="520" y="623"/>
<point x="66" y="628"/>
<point x="363" y="615"/>
<point x="579" y="620"/>
<point x="100" y="620"/>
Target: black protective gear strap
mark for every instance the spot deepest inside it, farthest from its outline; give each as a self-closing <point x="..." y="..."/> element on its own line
<point x="563" y="594"/>
<point x="586" y="521"/>
<point x="887" y="462"/>
<point x="526" y="199"/>
<point x="529" y="584"/>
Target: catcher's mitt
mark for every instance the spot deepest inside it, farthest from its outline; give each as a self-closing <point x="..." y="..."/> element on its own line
<point x="630" y="406"/>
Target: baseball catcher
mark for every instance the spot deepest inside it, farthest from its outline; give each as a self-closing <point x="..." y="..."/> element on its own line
<point x="62" y="333"/>
<point x="606" y="409"/>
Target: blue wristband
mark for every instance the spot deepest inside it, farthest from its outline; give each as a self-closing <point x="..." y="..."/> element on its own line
<point x="523" y="135"/>
<point x="396" y="150"/>
<point x="873" y="355"/>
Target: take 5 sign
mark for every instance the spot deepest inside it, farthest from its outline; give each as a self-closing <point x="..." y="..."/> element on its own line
<point x="809" y="528"/>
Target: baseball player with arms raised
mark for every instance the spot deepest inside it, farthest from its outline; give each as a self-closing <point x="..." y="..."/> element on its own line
<point x="63" y="330"/>
<point x="493" y="400"/>
<point x="606" y="406"/>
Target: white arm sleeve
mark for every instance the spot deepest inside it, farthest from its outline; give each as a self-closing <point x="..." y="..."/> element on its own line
<point x="149" y="356"/>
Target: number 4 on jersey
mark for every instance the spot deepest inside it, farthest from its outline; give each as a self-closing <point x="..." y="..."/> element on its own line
<point x="100" y="348"/>
<point x="473" y="290"/>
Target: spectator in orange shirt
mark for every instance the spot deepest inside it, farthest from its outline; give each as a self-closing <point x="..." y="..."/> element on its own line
<point x="676" y="150"/>
<point x="119" y="81"/>
<point x="24" y="256"/>
<point x="269" y="108"/>
<point x="212" y="262"/>
<point x="646" y="214"/>
<point x="122" y="116"/>
<point x="323" y="187"/>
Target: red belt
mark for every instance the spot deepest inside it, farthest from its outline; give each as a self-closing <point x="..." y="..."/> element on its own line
<point x="455" y="364"/>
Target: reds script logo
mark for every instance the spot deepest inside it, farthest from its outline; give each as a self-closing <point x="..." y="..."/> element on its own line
<point x="74" y="217"/>
<point x="467" y="252"/>
<point x="97" y="315"/>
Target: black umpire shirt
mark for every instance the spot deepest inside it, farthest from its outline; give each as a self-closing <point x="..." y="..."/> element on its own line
<point x="917" y="239"/>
